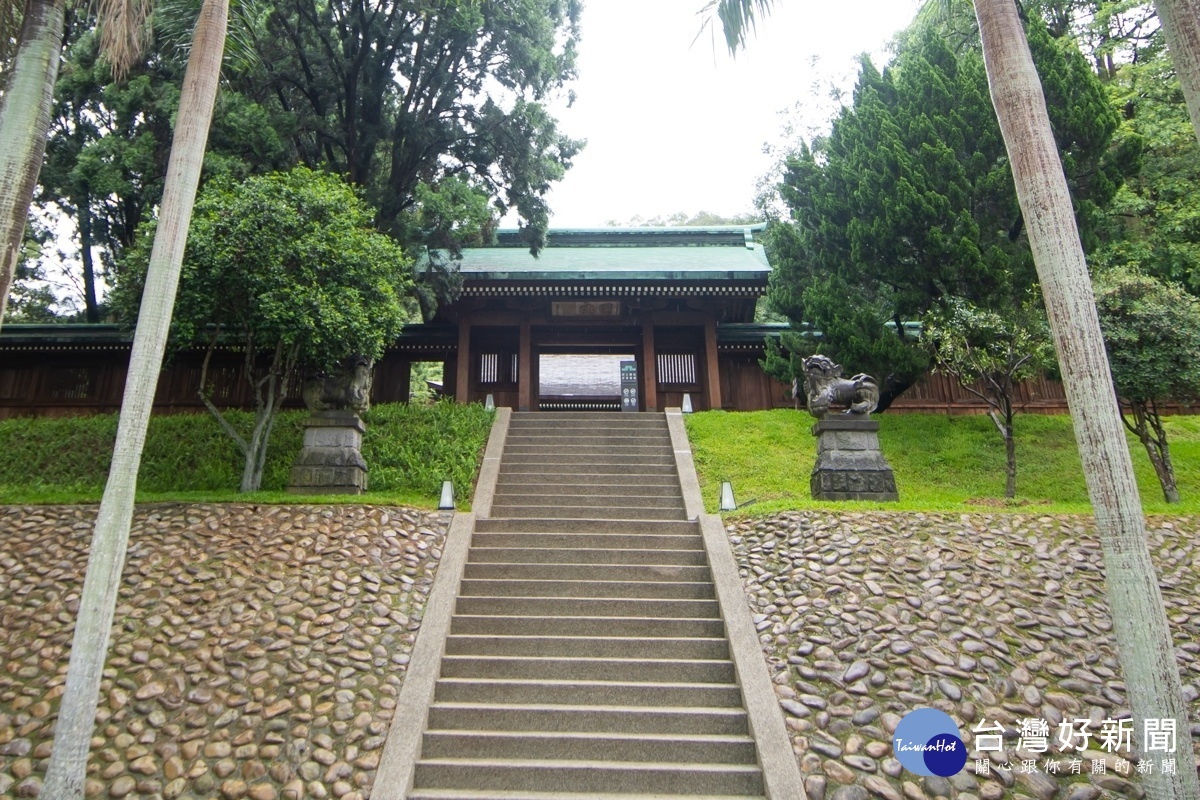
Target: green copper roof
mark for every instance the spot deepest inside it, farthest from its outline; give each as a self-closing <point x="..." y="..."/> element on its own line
<point x="708" y="254"/>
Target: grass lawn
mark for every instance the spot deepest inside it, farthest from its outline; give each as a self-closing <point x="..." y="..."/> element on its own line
<point x="942" y="463"/>
<point x="409" y="449"/>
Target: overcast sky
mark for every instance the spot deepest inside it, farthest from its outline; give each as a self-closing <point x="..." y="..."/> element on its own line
<point x="674" y="126"/>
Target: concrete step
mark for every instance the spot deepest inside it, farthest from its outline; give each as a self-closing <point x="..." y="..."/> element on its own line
<point x="589" y="646"/>
<point x="592" y="555"/>
<point x="593" y="452"/>
<point x="587" y="693"/>
<point x="587" y="572"/>
<point x="616" y="445"/>
<point x="585" y="419"/>
<point x="504" y="794"/>
<point x="496" y="625"/>
<point x="587" y="512"/>
<point x="588" y="541"/>
<point x="622" y="459"/>
<point x="587" y="470"/>
<point x="650" y="590"/>
<point x="708" y="749"/>
<point x="528" y="667"/>
<point x="545" y="525"/>
<point x="629" y="497"/>
<point x="567" y="440"/>
<point x="598" y="719"/>
<point x="569" y="479"/>
<point x="589" y="776"/>
<point x="586" y="607"/>
<point x="609" y="492"/>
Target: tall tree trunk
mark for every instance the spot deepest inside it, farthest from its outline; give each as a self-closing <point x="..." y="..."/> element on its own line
<point x="24" y="125"/>
<point x="76" y="718"/>
<point x="1181" y="22"/>
<point x="1010" y="459"/>
<point x="1139" y="620"/>
<point x="85" y="251"/>
<point x="1148" y="427"/>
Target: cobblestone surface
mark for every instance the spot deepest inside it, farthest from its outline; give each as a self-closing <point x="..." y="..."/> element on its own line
<point x="866" y="616"/>
<point x="257" y="651"/>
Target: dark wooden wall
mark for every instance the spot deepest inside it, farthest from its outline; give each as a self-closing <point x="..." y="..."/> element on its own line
<point x="72" y="382"/>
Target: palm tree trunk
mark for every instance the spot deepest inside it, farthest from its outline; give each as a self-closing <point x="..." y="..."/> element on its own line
<point x="24" y="125"/>
<point x="1181" y="22"/>
<point x="76" y="718"/>
<point x="1139" y="620"/>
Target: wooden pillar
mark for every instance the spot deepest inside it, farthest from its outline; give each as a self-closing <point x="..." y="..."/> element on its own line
<point x="525" y="369"/>
<point x="403" y="381"/>
<point x="649" y="368"/>
<point x="462" y="384"/>
<point x="712" y="371"/>
<point x="450" y="375"/>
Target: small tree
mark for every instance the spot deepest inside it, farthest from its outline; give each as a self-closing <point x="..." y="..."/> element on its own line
<point x="288" y="268"/>
<point x="1152" y="336"/>
<point x="989" y="354"/>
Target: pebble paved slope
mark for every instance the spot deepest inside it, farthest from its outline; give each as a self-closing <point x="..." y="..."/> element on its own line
<point x="587" y="657"/>
<point x="866" y="616"/>
<point x="256" y="651"/>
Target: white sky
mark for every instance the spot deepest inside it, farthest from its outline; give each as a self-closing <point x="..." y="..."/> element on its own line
<point x="676" y="127"/>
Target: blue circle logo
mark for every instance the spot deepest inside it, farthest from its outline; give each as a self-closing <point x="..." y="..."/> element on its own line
<point x="928" y="742"/>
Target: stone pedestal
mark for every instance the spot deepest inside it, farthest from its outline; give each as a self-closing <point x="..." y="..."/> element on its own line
<point x="330" y="461"/>
<point x="850" y="465"/>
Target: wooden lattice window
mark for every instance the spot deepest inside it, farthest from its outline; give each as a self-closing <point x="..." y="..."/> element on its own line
<point x="676" y="369"/>
<point x="69" y="383"/>
<point x="497" y="369"/>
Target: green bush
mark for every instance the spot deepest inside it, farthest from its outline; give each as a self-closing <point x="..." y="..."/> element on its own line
<point x="410" y="450"/>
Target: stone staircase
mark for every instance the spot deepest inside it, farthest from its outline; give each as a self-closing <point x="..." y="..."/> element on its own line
<point x="586" y="655"/>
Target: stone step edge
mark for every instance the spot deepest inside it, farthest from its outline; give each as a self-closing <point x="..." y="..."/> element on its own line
<point x="529" y="637"/>
<point x="500" y="598"/>
<point x="567" y="684"/>
<point x="583" y="710"/>
<point x="582" y="622"/>
<point x="535" y="581"/>
<point x="588" y="659"/>
<point x="504" y="794"/>
<point x="650" y="739"/>
<point x="485" y="549"/>
<point x="554" y="763"/>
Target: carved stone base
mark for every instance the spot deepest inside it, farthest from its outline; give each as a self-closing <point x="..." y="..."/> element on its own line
<point x="850" y="465"/>
<point x="330" y="461"/>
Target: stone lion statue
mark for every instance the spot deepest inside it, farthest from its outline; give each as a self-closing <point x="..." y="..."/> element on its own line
<point x="825" y="387"/>
<point x="348" y="386"/>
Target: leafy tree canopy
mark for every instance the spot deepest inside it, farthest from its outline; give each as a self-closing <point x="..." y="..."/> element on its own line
<point x="1154" y="221"/>
<point x="288" y="268"/>
<point x="392" y="93"/>
<point x="287" y="259"/>
<point x="909" y="200"/>
<point x="1152" y="336"/>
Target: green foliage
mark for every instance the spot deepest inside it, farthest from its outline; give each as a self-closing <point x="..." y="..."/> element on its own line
<point x="944" y="463"/>
<point x="106" y="156"/>
<point x="1152" y="334"/>
<point x="909" y="200"/>
<point x="410" y="450"/>
<point x="978" y="345"/>
<point x="1154" y="222"/>
<point x="428" y="444"/>
<point x="288" y="260"/>
<point x="394" y="94"/>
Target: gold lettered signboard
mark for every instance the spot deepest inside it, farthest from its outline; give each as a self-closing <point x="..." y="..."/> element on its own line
<point x="585" y="308"/>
